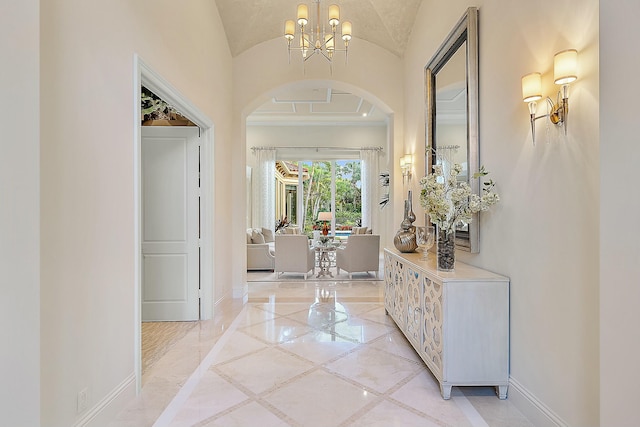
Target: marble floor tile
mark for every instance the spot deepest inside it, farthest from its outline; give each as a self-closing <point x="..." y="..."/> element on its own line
<point x="247" y="415"/>
<point x="373" y="368"/>
<point x="278" y="330"/>
<point x="211" y="396"/>
<point x="319" y="347"/>
<point x="238" y="345"/>
<point x="304" y="354"/>
<point x="423" y="394"/>
<point x="263" y="370"/>
<point x="396" y="343"/>
<point x="361" y="330"/>
<point x="319" y="399"/>
<point x="254" y="314"/>
<point x="387" y="414"/>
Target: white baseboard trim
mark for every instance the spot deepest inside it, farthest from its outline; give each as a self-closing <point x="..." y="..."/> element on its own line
<point x="532" y="407"/>
<point x="241" y="291"/>
<point x="104" y="411"/>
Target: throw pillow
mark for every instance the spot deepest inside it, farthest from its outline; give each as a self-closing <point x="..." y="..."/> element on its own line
<point x="358" y="230"/>
<point x="268" y="235"/>
<point x="257" y="237"/>
<point x="249" y="241"/>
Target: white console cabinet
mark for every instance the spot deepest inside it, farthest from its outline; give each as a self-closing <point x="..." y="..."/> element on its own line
<point x="458" y="322"/>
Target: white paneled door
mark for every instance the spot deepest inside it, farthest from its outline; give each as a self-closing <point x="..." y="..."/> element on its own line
<point x="170" y="224"/>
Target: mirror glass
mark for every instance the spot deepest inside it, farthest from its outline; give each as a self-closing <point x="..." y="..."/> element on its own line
<point x="451" y="113"/>
<point x="451" y="80"/>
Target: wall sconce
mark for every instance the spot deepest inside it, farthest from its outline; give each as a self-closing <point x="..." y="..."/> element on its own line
<point x="406" y="162"/>
<point x="565" y="65"/>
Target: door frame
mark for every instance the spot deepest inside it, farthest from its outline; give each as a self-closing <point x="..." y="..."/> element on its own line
<point x="144" y="75"/>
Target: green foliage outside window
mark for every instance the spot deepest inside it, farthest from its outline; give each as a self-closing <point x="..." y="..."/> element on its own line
<point x="317" y="194"/>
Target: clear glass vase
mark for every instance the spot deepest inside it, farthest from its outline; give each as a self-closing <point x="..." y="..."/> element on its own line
<point x="446" y="248"/>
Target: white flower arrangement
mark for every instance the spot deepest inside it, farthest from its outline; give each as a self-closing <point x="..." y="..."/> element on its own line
<point x="450" y="202"/>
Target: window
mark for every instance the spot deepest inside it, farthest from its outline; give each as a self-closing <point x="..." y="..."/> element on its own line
<point x="325" y="186"/>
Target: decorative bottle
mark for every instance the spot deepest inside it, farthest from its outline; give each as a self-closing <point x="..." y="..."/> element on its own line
<point x="405" y="238"/>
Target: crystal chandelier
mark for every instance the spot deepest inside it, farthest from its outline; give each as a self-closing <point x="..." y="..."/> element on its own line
<point x="320" y="42"/>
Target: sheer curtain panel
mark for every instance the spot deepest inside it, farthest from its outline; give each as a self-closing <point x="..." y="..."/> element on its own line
<point x="369" y="177"/>
<point x="264" y="190"/>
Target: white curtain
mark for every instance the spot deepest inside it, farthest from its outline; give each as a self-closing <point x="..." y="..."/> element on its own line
<point x="369" y="177"/>
<point x="264" y="188"/>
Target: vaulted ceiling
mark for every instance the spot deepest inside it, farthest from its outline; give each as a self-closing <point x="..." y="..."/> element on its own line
<point x="386" y="23"/>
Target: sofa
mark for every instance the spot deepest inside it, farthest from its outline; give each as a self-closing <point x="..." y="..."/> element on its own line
<point x="361" y="230"/>
<point x="260" y="249"/>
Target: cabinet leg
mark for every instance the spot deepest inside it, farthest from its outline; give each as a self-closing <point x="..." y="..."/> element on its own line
<point x="502" y="391"/>
<point x="445" y="391"/>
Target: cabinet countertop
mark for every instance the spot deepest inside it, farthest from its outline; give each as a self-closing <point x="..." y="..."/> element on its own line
<point x="462" y="271"/>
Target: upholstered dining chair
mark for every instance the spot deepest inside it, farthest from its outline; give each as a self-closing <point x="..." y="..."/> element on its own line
<point x="362" y="253"/>
<point x="294" y="255"/>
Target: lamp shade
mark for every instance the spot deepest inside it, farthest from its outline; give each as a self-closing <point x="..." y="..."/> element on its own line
<point x="329" y="42"/>
<point x="324" y="216"/>
<point x="346" y="30"/>
<point x="334" y="15"/>
<point x="565" y="66"/>
<point x="303" y="14"/>
<point x="289" y="29"/>
<point x="531" y="87"/>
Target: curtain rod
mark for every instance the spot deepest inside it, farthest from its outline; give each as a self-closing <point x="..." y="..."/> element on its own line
<point x="318" y="148"/>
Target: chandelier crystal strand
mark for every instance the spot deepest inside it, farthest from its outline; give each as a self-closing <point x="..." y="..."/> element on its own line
<point x="319" y="42"/>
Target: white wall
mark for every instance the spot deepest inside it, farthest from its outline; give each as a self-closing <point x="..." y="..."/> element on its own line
<point x="620" y="205"/>
<point x="544" y="232"/>
<point x="371" y="72"/>
<point x="87" y="181"/>
<point x="20" y="215"/>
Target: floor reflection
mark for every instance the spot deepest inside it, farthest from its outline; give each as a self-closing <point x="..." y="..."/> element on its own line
<point x="294" y="350"/>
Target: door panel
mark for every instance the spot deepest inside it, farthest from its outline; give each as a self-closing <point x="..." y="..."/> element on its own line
<point x="170" y="224"/>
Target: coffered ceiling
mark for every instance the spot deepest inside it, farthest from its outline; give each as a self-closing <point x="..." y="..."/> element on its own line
<point x="316" y="105"/>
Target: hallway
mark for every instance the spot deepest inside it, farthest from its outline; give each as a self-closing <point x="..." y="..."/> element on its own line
<point x="304" y="354"/>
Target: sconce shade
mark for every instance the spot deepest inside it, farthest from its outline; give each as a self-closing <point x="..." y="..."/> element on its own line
<point x="406" y="161"/>
<point x="565" y="66"/>
<point x="531" y="87"/>
<point x="324" y="216"/>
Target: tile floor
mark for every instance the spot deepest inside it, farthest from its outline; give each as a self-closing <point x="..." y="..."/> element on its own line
<point x="304" y="354"/>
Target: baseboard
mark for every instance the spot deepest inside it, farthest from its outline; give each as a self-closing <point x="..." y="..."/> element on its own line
<point x="241" y="291"/>
<point x="106" y="410"/>
<point x="533" y="408"/>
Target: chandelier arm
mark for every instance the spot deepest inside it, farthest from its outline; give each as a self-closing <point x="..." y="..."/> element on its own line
<point x="306" y="58"/>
